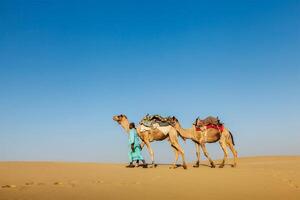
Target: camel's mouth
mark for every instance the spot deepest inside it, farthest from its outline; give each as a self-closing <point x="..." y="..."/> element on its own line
<point x="118" y="118"/>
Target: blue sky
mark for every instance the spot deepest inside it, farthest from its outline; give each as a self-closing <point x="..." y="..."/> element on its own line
<point x="66" y="67"/>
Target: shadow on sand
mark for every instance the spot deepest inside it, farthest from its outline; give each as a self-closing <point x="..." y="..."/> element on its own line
<point x="179" y="165"/>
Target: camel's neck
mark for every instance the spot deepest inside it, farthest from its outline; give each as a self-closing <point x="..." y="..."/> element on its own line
<point x="125" y="125"/>
<point x="185" y="133"/>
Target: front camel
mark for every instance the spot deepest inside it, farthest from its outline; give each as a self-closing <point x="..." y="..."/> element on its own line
<point x="154" y="134"/>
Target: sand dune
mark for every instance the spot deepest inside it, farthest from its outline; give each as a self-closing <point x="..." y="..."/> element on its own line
<point x="254" y="178"/>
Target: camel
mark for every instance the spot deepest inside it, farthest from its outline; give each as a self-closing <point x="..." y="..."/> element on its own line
<point x="155" y="135"/>
<point x="210" y="135"/>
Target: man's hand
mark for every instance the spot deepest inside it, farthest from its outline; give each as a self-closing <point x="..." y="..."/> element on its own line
<point x="132" y="147"/>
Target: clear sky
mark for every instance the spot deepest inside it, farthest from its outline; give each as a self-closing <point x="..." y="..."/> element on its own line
<point x="66" y="67"/>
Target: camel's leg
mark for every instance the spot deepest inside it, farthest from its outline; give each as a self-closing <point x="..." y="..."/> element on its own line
<point x="151" y="153"/>
<point x="234" y="152"/>
<point x="182" y="155"/>
<point x="176" y="155"/>
<point x="224" y="148"/>
<point x="142" y="144"/>
<point x="175" y="144"/>
<point x="207" y="155"/>
<point x="176" y="158"/>
<point x="197" y="154"/>
<point x="229" y="142"/>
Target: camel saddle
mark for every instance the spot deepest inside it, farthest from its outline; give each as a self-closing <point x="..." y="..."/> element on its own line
<point x="207" y="121"/>
<point x="149" y="120"/>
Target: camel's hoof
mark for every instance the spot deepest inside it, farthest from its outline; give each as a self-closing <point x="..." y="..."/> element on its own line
<point x="234" y="165"/>
<point x="221" y="166"/>
<point x="213" y="166"/>
<point x="145" y="166"/>
<point x="152" y="165"/>
<point x="184" y="166"/>
<point x="195" y="166"/>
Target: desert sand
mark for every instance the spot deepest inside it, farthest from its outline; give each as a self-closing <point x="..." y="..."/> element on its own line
<point x="254" y="178"/>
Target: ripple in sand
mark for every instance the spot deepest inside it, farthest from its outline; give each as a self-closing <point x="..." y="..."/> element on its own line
<point x="292" y="184"/>
<point x="57" y="183"/>
<point x="29" y="183"/>
<point x="9" y="186"/>
<point x="100" y="181"/>
<point x="72" y="183"/>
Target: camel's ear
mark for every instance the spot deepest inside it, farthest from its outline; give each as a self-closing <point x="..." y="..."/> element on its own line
<point x="196" y="120"/>
<point x="175" y="119"/>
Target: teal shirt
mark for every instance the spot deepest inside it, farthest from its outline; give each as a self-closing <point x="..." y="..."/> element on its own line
<point x="133" y="138"/>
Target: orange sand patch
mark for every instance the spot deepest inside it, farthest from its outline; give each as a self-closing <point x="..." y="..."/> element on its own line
<point x="254" y="178"/>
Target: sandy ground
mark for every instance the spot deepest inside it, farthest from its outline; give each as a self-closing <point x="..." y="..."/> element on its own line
<point x="254" y="178"/>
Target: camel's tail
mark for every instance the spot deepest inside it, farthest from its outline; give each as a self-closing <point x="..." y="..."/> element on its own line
<point x="231" y="136"/>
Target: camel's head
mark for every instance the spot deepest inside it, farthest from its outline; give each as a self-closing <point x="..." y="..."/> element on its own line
<point x="174" y="122"/>
<point x="119" y="118"/>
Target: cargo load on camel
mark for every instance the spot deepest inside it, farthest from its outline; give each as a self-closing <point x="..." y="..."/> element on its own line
<point x="156" y="122"/>
<point x="149" y="120"/>
<point x="208" y="122"/>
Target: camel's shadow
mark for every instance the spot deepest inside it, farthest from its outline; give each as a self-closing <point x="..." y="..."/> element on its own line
<point x="217" y="165"/>
<point x="180" y="165"/>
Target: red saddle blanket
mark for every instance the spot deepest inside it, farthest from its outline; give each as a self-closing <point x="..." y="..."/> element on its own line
<point x="218" y="127"/>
